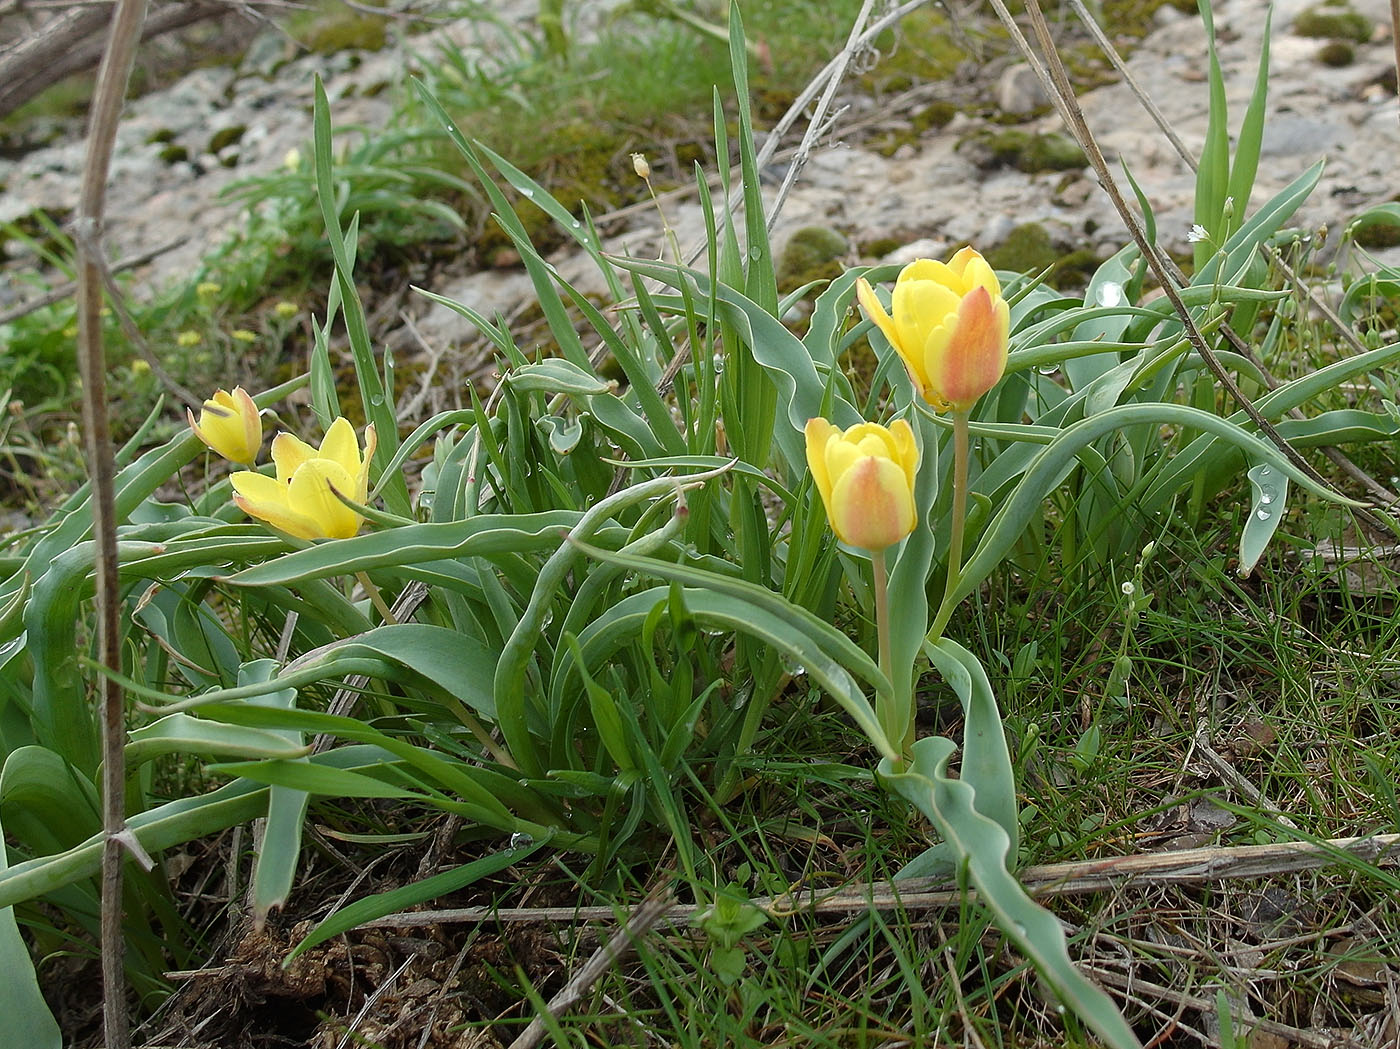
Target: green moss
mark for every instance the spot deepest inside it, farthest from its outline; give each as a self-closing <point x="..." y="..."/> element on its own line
<point x="1024" y="150"/>
<point x="343" y="29"/>
<point x="812" y="253"/>
<point x="174" y="154"/>
<point x="1026" y="249"/>
<point x="1029" y="249"/>
<point x="1334" y="22"/>
<point x="882" y="246"/>
<point x="226" y="136"/>
<point x="1378" y="236"/>
<point x="1052" y="152"/>
<point x="1336" y="53"/>
<point x="160" y="137"/>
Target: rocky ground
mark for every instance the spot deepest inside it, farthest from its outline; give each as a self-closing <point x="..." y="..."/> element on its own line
<point x="179" y="148"/>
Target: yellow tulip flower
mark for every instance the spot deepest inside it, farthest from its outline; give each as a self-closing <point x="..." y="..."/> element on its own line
<point x="865" y="476"/>
<point x="949" y="327"/>
<point x="229" y="423"/>
<point x="301" y="500"/>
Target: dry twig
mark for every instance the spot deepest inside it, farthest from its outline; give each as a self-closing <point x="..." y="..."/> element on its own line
<point x="1182" y="867"/>
<point x="97" y="438"/>
<point x="622" y="943"/>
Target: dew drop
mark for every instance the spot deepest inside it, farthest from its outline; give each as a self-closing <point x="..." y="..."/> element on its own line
<point x="755" y="253"/>
<point x="1109" y="293"/>
<point x="520" y="840"/>
<point x="527" y="192"/>
<point x="1262" y="514"/>
<point x="1266" y="498"/>
<point x="576" y="224"/>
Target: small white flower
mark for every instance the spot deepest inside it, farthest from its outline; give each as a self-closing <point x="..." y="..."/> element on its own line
<point x="1197" y="233"/>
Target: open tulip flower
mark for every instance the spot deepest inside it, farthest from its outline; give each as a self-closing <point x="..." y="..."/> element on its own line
<point x="301" y="500"/>
<point x="229" y="423"/>
<point x="866" y="479"/>
<point x="949" y="326"/>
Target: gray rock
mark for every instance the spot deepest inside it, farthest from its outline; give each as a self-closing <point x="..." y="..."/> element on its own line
<point x="1019" y="91"/>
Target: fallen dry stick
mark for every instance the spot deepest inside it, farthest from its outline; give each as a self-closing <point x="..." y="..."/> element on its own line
<point x="1183" y="867"/>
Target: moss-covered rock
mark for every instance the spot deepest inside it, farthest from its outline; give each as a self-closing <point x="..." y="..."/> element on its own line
<point x="1022" y="149"/>
<point x="345" y="30"/>
<point x="226" y="136"/>
<point x="1336" y="53"/>
<point x="1378" y="236"/>
<point x="1333" y="22"/>
<point x="1029" y="248"/>
<point x="811" y="253"/>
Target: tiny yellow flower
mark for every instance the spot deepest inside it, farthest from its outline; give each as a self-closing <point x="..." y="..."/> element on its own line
<point x="301" y="500"/>
<point x="286" y="310"/>
<point x="950" y="327"/>
<point x="230" y="424"/>
<point x="140" y="366"/>
<point x="243" y="335"/>
<point x="865" y="476"/>
<point x="640" y="165"/>
<point x="207" y="289"/>
<point x="188" y="339"/>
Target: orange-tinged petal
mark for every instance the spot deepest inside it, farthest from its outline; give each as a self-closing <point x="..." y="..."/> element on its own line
<point x="950" y="327"/>
<point x="865" y="476"/>
<point x="972" y="358"/>
<point x="873" y="506"/>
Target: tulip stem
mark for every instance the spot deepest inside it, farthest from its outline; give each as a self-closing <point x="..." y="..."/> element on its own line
<point x="955" y="541"/>
<point x="376" y="599"/>
<point x="881" y="584"/>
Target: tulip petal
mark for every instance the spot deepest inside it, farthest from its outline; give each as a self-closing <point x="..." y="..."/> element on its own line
<point x="341" y="446"/>
<point x="906" y="449"/>
<point x="921" y="307"/>
<point x="311" y="495"/>
<point x="229" y="424"/>
<point x="288" y="453"/>
<point x="819" y="433"/>
<point x="876" y="312"/>
<point x="873" y="504"/>
<point x="260" y="496"/>
<point x="361" y="493"/>
<point x="968" y="361"/>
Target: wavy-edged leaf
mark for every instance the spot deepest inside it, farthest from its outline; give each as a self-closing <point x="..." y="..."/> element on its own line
<point x="986" y="761"/>
<point x="182" y="733"/>
<point x="1265" y="515"/>
<point x="28" y="1021"/>
<point x="982" y="844"/>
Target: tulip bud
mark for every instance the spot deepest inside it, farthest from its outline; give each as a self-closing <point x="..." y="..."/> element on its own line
<point x="229" y="423"/>
<point x="302" y="500"/>
<point x="865" y="476"/>
<point x="949" y="326"/>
